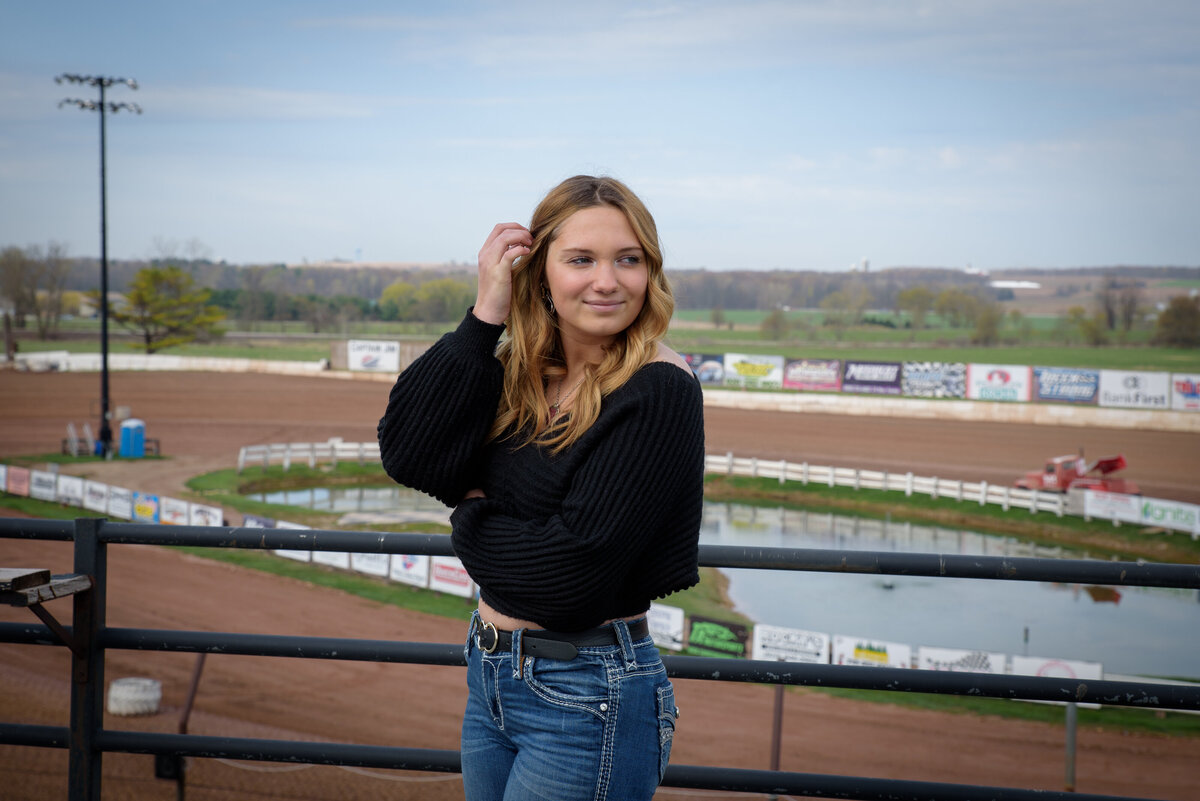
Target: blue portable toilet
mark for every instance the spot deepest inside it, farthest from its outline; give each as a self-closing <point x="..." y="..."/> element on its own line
<point x="133" y="439"/>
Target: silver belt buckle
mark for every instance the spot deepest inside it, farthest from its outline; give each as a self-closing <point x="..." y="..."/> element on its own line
<point x="488" y="649"/>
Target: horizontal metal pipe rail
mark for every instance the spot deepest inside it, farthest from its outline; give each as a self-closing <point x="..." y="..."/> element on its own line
<point x="91" y="538"/>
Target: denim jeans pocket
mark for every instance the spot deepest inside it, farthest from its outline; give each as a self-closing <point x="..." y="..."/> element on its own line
<point x="666" y="726"/>
<point x="573" y="685"/>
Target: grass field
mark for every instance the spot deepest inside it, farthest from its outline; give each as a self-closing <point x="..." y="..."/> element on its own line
<point x="1043" y="343"/>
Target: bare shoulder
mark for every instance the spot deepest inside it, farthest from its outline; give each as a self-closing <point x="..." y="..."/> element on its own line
<point x="669" y="356"/>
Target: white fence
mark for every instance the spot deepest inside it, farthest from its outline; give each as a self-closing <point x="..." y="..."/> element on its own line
<point x="981" y="493"/>
<point x="310" y="453"/>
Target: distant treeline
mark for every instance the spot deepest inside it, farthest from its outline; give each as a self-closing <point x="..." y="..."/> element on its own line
<point x="365" y="287"/>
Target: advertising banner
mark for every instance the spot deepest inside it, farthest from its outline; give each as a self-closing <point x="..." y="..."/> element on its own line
<point x="1112" y="506"/>
<point x="145" y="508"/>
<point x="372" y="564"/>
<point x="708" y="367"/>
<point x="95" y="496"/>
<point x="865" y="652"/>
<point x="18" y="481"/>
<point x="373" y="355"/>
<point x="288" y="553"/>
<point x="779" y="644"/>
<point x="1185" y="392"/>
<point x="70" y="490"/>
<point x="1058" y="669"/>
<point x="201" y="515"/>
<point x="1135" y="389"/>
<point x="1170" y="514"/>
<point x="813" y="375"/>
<point x="957" y="660"/>
<point x="447" y="574"/>
<point x="411" y="569"/>
<point x="999" y="382"/>
<point x="42" y="485"/>
<point x="338" y="559"/>
<point x="934" y="380"/>
<point x="753" y="372"/>
<point x="1068" y="384"/>
<point x="120" y="503"/>
<point x="257" y="521"/>
<point x="666" y="626"/>
<point x="172" y="511"/>
<point x="709" y="637"/>
<point x="872" y="378"/>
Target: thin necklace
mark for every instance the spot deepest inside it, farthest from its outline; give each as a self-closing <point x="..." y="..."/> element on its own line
<point x="558" y="398"/>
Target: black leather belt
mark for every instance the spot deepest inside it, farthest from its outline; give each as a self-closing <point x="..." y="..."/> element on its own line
<point x="553" y="644"/>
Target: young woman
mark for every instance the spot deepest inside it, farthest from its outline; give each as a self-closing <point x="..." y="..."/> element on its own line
<point x="573" y="454"/>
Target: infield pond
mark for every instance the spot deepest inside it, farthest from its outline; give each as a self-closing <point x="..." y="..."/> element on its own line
<point x="1129" y="630"/>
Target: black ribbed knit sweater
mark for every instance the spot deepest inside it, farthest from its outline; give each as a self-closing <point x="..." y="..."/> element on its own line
<point x="570" y="540"/>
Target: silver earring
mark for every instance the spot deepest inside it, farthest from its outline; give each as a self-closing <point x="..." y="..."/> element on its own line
<point x="547" y="299"/>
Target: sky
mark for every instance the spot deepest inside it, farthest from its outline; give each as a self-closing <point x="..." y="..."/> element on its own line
<point x="815" y="134"/>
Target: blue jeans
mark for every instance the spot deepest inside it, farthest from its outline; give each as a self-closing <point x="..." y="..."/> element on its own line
<point x="596" y="727"/>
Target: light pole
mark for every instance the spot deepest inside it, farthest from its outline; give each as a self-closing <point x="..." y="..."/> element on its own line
<point x="102" y="83"/>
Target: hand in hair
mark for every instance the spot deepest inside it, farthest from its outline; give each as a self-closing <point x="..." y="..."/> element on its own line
<point x="506" y="242"/>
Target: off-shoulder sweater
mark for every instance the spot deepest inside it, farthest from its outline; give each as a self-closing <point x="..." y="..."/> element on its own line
<point x="565" y="540"/>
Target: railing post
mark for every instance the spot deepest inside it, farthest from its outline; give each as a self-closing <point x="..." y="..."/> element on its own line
<point x="983" y="492"/>
<point x="804" y="473"/>
<point x="87" y="667"/>
<point x="783" y="465"/>
<point x="1072" y="719"/>
<point x="908" y="484"/>
<point x="729" y="467"/>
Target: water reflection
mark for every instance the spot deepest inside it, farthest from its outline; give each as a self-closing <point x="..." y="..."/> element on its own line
<point x="1127" y="629"/>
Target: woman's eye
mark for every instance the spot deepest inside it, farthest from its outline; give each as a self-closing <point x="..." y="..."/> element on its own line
<point x="631" y="261"/>
<point x="580" y="260"/>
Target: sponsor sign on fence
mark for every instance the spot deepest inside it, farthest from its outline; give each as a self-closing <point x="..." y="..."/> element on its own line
<point x="145" y="508"/>
<point x="708" y="367"/>
<point x="1135" y="389"/>
<point x="43" y="485"/>
<point x="753" y="372"/>
<point x="934" y="380"/>
<point x="411" y="569"/>
<point x="70" y="490"/>
<point x="172" y="511"/>
<point x="447" y="574"/>
<point x="373" y="564"/>
<point x="717" y="638"/>
<point x="95" y="496"/>
<point x="1047" y="667"/>
<point x="374" y="355"/>
<point x="202" y="515"/>
<point x="998" y="382"/>
<point x="777" y="643"/>
<point x="813" y="375"/>
<point x="873" y="378"/>
<point x="1142" y="511"/>
<point x="1185" y="392"/>
<point x="666" y="626"/>
<point x="120" y="503"/>
<point x="959" y="661"/>
<point x="1066" y="384"/>
<point x="865" y="652"/>
<point x="18" y="481"/>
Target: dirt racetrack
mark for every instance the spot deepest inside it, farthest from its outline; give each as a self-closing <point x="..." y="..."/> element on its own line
<point x="202" y="419"/>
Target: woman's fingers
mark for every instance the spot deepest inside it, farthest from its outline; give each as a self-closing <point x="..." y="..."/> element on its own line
<point x="505" y="244"/>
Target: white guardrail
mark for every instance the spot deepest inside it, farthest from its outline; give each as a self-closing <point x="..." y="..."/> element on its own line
<point x="1117" y="508"/>
<point x="1088" y="504"/>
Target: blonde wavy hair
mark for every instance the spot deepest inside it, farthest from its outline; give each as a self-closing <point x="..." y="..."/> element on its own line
<point x="532" y="352"/>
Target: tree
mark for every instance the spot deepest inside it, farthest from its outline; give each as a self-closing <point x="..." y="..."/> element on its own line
<point x="1092" y="329"/>
<point x="1179" y="324"/>
<point x="1106" y="300"/>
<point x="1129" y="300"/>
<point x="957" y="307"/>
<point x="397" y="300"/>
<point x="987" y="324"/>
<point x="718" y="316"/>
<point x="443" y="300"/>
<point x="917" y="300"/>
<point x="774" y="326"/>
<point x="18" y="285"/>
<point x="166" y="308"/>
<point x="50" y="276"/>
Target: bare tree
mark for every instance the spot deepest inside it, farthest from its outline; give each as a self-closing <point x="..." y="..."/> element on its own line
<point x="18" y="286"/>
<point x="1107" y="301"/>
<point x="1129" y="301"/>
<point x="50" y="275"/>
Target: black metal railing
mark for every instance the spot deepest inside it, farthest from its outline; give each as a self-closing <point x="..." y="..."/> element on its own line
<point x="87" y="740"/>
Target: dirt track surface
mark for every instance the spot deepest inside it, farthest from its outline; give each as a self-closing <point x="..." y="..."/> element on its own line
<point x="202" y="420"/>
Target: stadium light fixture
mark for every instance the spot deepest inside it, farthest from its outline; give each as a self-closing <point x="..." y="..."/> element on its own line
<point x="102" y="83"/>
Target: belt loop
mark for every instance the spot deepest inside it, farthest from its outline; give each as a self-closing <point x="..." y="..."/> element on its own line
<point x="621" y="629"/>
<point x="518" y="653"/>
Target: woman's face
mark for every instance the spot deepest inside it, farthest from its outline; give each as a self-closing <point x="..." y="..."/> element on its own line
<point x="597" y="275"/>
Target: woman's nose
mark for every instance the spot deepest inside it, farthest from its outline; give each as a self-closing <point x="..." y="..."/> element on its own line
<point x="604" y="279"/>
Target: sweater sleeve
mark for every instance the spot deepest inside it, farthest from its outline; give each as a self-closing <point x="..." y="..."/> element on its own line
<point x="648" y="456"/>
<point x="440" y="411"/>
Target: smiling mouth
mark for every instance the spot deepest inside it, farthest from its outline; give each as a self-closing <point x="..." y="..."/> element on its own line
<point x="603" y="305"/>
